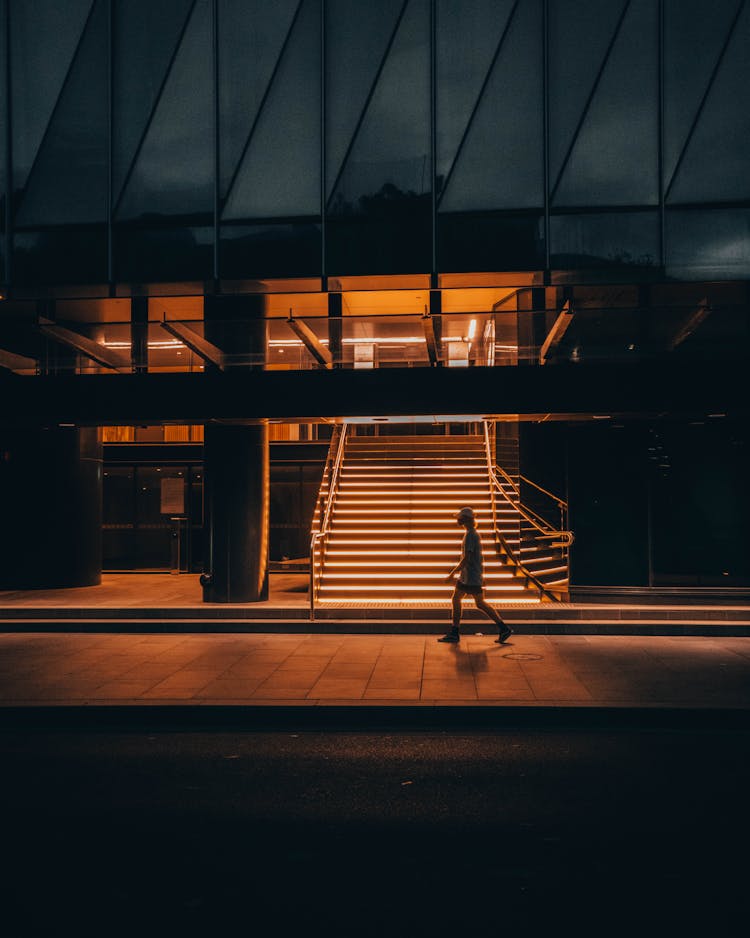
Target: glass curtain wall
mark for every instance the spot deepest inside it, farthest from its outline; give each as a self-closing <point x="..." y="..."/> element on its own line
<point x="196" y="140"/>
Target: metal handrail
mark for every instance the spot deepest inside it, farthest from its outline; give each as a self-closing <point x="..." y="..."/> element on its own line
<point x="499" y="536"/>
<point x="555" y="498"/>
<point x="534" y="518"/>
<point x="318" y="535"/>
<point x="560" y="502"/>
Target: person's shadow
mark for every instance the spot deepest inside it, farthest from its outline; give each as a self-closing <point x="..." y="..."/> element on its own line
<point x="476" y="660"/>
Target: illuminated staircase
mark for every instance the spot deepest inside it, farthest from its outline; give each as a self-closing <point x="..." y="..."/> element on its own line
<point x="390" y="536"/>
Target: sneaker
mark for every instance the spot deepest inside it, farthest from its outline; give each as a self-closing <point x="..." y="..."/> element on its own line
<point x="450" y="637"/>
<point x="505" y="633"/>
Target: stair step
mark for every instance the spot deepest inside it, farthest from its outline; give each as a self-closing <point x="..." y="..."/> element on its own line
<point x="392" y="533"/>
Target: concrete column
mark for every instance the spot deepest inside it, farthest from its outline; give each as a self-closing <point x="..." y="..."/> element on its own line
<point x="236" y="463"/>
<point x="51" y="506"/>
<point x="237" y="480"/>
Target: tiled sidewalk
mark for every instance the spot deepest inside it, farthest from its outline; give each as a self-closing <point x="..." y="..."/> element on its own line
<point x="283" y="669"/>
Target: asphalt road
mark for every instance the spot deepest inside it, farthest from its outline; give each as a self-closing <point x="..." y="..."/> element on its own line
<point x="525" y="831"/>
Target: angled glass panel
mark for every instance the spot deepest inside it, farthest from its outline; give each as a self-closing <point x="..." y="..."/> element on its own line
<point x="379" y="219"/>
<point x="68" y="181"/>
<point x="501" y="164"/>
<point x="614" y="160"/>
<point x="715" y="167"/>
<point x="694" y="33"/>
<point x="586" y="28"/>
<point x="390" y="156"/>
<point x="280" y="172"/>
<point x="173" y="172"/>
<point x="146" y="35"/>
<point x="44" y="37"/>
<point x="467" y="37"/>
<point x="251" y="37"/>
<point x="357" y="35"/>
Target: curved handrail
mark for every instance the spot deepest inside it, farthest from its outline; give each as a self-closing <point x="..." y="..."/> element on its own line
<point x="325" y="521"/>
<point x="560" y="502"/>
<point x="535" y="520"/>
<point x="555" y="498"/>
<point x="516" y="560"/>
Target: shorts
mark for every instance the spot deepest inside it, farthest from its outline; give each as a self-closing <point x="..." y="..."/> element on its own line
<point x="469" y="590"/>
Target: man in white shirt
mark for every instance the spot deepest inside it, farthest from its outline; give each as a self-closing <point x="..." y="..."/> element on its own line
<point x="471" y="580"/>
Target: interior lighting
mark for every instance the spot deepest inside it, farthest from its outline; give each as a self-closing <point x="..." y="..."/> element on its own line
<point x="163" y="344"/>
<point x="472" y="329"/>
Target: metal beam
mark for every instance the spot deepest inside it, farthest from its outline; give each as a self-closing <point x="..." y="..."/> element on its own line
<point x="14" y="362"/>
<point x="311" y="342"/>
<point x="201" y="347"/>
<point x="689" y="325"/>
<point x="556" y="333"/>
<point x="94" y="350"/>
<point x="430" y="338"/>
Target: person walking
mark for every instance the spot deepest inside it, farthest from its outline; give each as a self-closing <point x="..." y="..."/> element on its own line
<point x="471" y="581"/>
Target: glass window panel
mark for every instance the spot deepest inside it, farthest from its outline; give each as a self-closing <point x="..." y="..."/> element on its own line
<point x="169" y="253"/>
<point x="708" y="243"/>
<point x="60" y="255"/>
<point x="167" y="353"/>
<point x="118" y="495"/>
<point x="173" y="172"/>
<point x="68" y="181"/>
<point x="280" y="171"/>
<point x="146" y="35"/>
<point x="474" y="241"/>
<point x="251" y="36"/>
<point x="501" y="164"/>
<point x="614" y="160"/>
<point x="44" y="37"/>
<point x="626" y="240"/>
<point x="290" y="249"/>
<point x="694" y="33"/>
<point x="357" y="33"/>
<point x="715" y="167"/>
<point x="697" y="540"/>
<point x="380" y="208"/>
<point x="587" y="28"/>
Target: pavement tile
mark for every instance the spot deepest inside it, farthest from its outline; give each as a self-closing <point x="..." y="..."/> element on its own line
<point x="348" y="671"/>
<point x="341" y="687"/>
<point x="304" y="663"/>
<point x="230" y="689"/>
<point x="273" y="694"/>
<point x="182" y="680"/>
<point x="127" y="690"/>
<point x="392" y="693"/>
<point x="292" y="679"/>
<point x="448" y="690"/>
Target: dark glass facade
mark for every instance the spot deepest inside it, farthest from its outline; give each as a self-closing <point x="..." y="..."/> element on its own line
<point x="204" y="140"/>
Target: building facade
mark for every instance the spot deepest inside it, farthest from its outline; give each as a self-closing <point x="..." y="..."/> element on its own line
<point x="228" y="226"/>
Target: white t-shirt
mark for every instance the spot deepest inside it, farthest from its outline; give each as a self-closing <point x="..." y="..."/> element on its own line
<point x="471" y="548"/>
